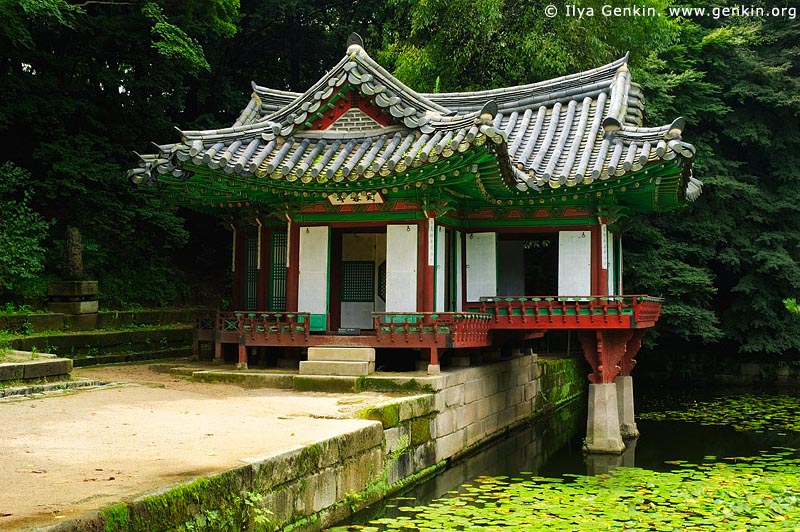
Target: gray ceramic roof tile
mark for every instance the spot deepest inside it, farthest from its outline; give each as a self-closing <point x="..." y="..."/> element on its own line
<point x="545" y="133"/>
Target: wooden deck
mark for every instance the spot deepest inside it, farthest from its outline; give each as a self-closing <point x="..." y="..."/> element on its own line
<point x="489" y="320"/>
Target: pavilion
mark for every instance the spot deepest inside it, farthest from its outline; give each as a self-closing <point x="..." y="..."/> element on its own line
<point x="367" y="215"/>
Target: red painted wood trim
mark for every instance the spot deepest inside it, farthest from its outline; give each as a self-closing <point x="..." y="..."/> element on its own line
<point x="599" y="275"/>
<point x="428" y="294"/>
<point x="263" y="287"/>
<point x="293" y="271"/>
<point x="237" y="297"/>
<point x="335" y="299"/>
<point x="351" y="99"/>
<point x="422" y="260"/>
<point x="462" y="304"/>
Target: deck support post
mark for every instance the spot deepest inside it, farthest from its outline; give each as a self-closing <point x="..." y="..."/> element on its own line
<point x="242" y="363"/>
<point x="433" y="367"/>
<point x="610" y="352"/>
<point x="627" y="422"/>
<point x="602" y="425"/>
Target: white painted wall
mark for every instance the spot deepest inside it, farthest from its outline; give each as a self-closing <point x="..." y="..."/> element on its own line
<point x="441" y="267"/>
<point x="312" y="293"/>
<point x="401" y="268"/>
<point x="481" y="265"/>
<point x="574" y="263"/>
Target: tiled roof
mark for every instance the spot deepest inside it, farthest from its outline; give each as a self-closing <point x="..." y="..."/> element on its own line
<point x="562" y="132"/>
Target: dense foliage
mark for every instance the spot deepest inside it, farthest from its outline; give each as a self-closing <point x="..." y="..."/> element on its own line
<point x="84" y="85"/>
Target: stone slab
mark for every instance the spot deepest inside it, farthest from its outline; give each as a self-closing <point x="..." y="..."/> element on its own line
<point x="331" y="367"/>
<point x="11" y="372"/>
<point x="72" y="288"/>
<point x="341" y="354"/>
<point x="73" y="307"/>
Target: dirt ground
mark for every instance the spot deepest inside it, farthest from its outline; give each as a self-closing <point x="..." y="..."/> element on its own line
<point x="64" y="455"/>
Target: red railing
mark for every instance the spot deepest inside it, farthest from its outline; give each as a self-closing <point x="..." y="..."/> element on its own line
<point x="281" y="327"/>
<point x="440" y="329"/>
<point x="570" y="312"/>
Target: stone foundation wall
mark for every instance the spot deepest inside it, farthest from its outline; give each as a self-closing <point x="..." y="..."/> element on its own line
<point x="113" y="319"/>
<point x="315" y="486"/>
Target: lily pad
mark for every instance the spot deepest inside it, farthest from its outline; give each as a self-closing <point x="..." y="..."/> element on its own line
<point x="753" y="494"/>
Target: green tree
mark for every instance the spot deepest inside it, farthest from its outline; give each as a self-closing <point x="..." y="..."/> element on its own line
<point x="80" y="92"/>
<point x="22" y="229"/>
<point x="737" y="82"/>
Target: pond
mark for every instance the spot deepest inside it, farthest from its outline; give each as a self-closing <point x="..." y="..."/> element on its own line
<point x="705" y="461"/>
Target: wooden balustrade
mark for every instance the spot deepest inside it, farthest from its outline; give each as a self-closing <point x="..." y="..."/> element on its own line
<point x="570" y="312"/>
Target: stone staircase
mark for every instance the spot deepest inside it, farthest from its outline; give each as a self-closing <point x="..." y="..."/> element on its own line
<point x="339" y="361"/>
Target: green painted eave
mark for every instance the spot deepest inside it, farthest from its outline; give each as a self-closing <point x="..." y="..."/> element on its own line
<point x="467" y="181"/>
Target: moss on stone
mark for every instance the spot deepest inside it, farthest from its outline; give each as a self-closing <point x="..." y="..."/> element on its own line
<point x="115" y="518"/>
<point x="388" y="415"/>
<point x="323" y="384"/>
<point x="369" y="384"/>
<point x="420" y="431"/>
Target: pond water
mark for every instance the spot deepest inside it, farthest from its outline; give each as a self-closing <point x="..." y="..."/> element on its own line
<point x="706" y="460"/>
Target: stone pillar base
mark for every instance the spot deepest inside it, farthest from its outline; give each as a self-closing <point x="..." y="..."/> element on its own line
<point x="72" y="297"/>
<point x="602" y="424"/>
<point x="434" y="369"/>
<point x="627" y="422"/>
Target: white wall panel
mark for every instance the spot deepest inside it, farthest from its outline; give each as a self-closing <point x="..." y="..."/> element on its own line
<point x="574" y="263"/>
<point x="401" y="268"/>
<point x="312" y="293"/>
<point x="481" y="265"/>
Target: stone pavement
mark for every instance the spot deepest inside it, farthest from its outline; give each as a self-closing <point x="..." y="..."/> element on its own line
<point x="70" y="453"/>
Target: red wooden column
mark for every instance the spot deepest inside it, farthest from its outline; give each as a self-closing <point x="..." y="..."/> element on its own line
<point x="237" y="267"/>
<point x="293" y="269"/>
<point x="599" y="269"/>
<point x="427" y="232"/>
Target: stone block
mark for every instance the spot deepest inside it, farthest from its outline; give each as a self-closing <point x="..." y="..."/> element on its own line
<point x="11" y="372"/>
<point x="415" y="407"/>
<point x="507" y="417"/>
<point x="330" y="367"/>
<point x="450" y="445"/>
<point x="423" y="456"/>
<point x="474" y="433"/>
<point x="491" y="425"/>
<point x="485" y="407"/>
<point x="464" y="415"/>
<point x="472" y="391"/>
<point x="444" y="424"/>
<point x="524" y="410"/>
<point x="396" y="438"/>
<point x="73" y="307"/>
<point x="358" y="441"/>
<point x="320" y="490"/>
<point x="454" y="396"/>
<point x="342" y="354"/>
<point x="46" y="368"/>
<point x="82" y="289"/>
<point x="324" y="383"/>
<point x="358" y="472"/>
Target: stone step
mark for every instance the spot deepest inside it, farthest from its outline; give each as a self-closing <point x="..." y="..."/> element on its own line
<point x="336" y="367"/>
<point x="342" y="354"/>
